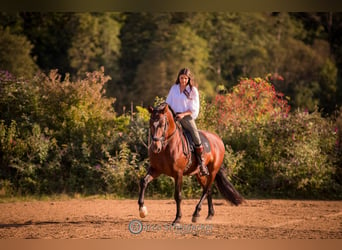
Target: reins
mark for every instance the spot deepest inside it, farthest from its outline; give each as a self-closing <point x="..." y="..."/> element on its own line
<point x="163" y="138"/>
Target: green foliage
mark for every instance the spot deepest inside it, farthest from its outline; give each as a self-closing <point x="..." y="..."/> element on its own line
<point x="137" y="32"/>
<point x="27" y="162"/>
<point x="328" y="86"/>
<point x="95" y="43"/>
<point x="59" y="134"/>
<point x="338" y="130"/>
<point x="293" y="156"/>
<point x="51" y="34"/>
<point x="166" y="55"/>
<point x="274" y="152"/>
<point x="15" y="54"/>
<point x="142" y="52"/>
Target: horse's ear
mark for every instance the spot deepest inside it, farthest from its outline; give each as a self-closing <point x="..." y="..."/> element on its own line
<point x="150" y="109"/>
<point x="166" y="108"/>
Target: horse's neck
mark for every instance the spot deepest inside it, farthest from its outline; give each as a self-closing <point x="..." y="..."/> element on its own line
<point x="176" y="128"/>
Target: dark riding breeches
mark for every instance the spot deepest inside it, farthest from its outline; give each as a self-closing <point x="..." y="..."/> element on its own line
<point x="189" y="124"/>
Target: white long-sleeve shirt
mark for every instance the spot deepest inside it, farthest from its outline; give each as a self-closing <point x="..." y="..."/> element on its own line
<point x="180" y="103"/>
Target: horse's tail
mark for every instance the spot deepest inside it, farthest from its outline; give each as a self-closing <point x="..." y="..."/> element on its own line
<point x="227" y="189"/>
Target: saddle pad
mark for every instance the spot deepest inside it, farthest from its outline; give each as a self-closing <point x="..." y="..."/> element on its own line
<point x="204" y="140"/>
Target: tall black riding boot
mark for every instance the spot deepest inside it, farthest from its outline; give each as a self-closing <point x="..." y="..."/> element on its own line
<point x="200" y="156"/>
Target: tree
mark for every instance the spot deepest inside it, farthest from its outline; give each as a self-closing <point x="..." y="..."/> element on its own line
<point x="323" y="34"/>
<point x="254" y="44"/>
<point x="12" y="21"/>
<point x="137" y="31"/>
<point x="302" y="47"/>
<point x="328" y="86"/>
<point x="51" y="34"/>
<point x="95" y="43"/>
<point x="15" y="54"/>
<point x="239" y="44"/>
<point x="177" y="47"/>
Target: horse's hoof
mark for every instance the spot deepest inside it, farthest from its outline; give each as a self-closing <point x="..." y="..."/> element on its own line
<point x="143" y="211"/>
<point x="176" y="221"/>
<point x="209" y="217"/>
<point x="194" y="219"/>
<point x="176" y="224"/>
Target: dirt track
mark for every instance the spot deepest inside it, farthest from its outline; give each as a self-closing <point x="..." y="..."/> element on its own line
<point x="99" y="218"/>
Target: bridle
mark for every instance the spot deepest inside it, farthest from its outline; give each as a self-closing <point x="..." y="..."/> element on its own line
<point x="164" y="141"/>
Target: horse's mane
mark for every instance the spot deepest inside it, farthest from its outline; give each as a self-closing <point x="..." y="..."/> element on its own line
<point x="163" y="105"/>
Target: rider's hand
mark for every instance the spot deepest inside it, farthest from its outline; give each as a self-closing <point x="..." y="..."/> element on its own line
<point x="179" y="116"/>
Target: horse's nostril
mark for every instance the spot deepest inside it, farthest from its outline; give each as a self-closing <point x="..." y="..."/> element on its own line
<point x="156" y="149"/>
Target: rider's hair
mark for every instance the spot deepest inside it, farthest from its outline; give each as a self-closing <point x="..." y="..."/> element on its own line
<point x="191" y="82"/>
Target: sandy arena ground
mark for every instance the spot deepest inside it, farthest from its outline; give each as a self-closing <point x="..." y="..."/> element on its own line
<point x="116" y="219"/>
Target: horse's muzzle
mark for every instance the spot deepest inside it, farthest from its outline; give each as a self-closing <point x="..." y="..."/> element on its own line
<point x="156" y="147"/>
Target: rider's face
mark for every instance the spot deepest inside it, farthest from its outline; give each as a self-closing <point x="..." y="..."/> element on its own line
<point x="183" y="79"/>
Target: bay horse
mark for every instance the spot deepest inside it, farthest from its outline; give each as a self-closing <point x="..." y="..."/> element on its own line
<point x="167" y="156"/>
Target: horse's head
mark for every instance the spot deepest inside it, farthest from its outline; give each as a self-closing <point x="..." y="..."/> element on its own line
<point x="162" y="126"/>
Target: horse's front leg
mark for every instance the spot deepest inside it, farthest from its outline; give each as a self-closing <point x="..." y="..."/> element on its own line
<point x="178" y="197"/>
<point x="143" y="184"/>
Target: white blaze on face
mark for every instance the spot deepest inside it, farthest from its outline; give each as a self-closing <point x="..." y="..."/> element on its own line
<point x="156" y="124"/>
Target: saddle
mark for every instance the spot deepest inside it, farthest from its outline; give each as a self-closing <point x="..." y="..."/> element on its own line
<point x="190" y="143"/>
<point x="188" y="146"/>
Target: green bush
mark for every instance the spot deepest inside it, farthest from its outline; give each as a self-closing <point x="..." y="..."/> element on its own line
<point x="273" y="152"/>
<point x="294" y="156"/>
<point x="29" y="162"/>
<point x="58" y="136"/>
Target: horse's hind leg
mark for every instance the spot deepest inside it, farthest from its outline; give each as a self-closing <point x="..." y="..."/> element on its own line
<point x="211" y="211"/>
<point x="206" y="183"/>
<point x="199" y="204"/>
